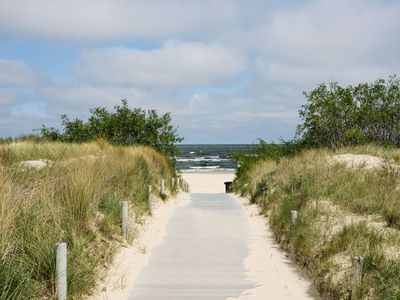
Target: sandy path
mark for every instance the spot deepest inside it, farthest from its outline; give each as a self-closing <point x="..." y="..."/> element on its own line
<point x="202" y="254"/>
<point x="211" y="246"/>
<point x="267" y="267"/>
<point x="218" y="247"/>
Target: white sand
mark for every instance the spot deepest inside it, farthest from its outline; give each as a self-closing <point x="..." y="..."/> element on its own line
<point x="358" y="160"/>
<point x="131" y="260"/>
<point x="42" y="163"/>
<point x="36" y="164"/>
<point x="207" y="182"/>
<point x="274" y="275"/>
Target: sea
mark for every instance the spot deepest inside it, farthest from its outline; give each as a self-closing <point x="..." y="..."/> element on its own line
<point x="197" y="158"/>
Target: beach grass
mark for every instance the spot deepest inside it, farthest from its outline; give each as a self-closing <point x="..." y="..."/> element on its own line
<point x="75" y="199"/>
<point x="343" y="212"/>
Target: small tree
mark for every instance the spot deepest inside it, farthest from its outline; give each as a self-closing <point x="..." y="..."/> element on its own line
<point x="367" y="113"/>
<point x="124" y="126"/>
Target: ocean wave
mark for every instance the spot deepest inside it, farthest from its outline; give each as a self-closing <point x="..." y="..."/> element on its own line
<point x="205" y="167"/>
<point x="208" y="169"/>
<point x="201" y="159"/>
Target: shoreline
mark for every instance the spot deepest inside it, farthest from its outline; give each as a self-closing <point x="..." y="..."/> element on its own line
<point x="208" y="171"/>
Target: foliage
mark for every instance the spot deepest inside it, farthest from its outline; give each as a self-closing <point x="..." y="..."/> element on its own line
<point x="75" y="199"/>
<point x="342" y="213"/>
<point x="22" y="138"/>
<point x="124" y="126"/>
<point x="246" y="159"/>
<point x="336" y="116"/>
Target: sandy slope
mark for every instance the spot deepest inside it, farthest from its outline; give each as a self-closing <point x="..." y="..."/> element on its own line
<point x="267" y="266"/>
<point x="357" y="160"/>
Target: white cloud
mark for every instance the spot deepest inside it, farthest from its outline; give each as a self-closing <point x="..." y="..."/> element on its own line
<point x="102" y="19"/>
<point x="30" y="110"/>
<point x="331" y="32"/>
<point x="76" y="98"/>
<point x="8" y="97"/>
<point x="175" y="63"/>
<point x="302" y="76"/>
<point x="241" y="79"/>
<point x="16" y="73"/>
<point x="319" y="41"/>
<point x="17" y="114"/>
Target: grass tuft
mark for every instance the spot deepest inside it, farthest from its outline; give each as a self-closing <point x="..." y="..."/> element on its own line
<point x="343" y="212"/>
<point x="75" y="199"/>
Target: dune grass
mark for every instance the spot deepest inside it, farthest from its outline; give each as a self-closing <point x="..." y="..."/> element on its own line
<point x="75" y="199"/>
<point x="342" y="213"/>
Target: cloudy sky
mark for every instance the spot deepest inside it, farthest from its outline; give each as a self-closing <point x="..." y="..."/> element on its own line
<point x="228" y="71"/>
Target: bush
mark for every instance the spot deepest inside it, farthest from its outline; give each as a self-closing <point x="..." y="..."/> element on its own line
<point x="125" y="126"/>
<point x="336" y="116"/>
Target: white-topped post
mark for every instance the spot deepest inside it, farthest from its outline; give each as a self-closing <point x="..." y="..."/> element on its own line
<point x="358" y="266"/>
<point x="162" y="187"/>
<point x="124" y="206"/>
<point x="293" y="216"/>
<point x="253" y="187"/>
<point x="149" y="188"/>
<point x="61" y="271"/>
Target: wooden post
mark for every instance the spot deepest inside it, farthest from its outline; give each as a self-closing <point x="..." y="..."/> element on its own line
<point x="178" y="182"/>
<point x="172" y="183"/>
<point x="358" y="266"/>
<point x="124" y="214"/>
<point x="254" y="187"/>
<point x="61" y="271"/>
<point x="293" y="216"/>
<point x="149" y="188"/>
<point x="162" y="188"/>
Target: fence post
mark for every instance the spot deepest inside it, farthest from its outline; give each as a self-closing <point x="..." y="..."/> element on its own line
<point x="124" y="207"/>
<point x="293" y="216"/>
<point x="149" y="188"/>
<point x="178" y="182"/>
<point x="358" y="266"/>
<point x="61" y="271"/>
<point x="162" y="187"/>
<point x="253" y="187"/>
<point x="172" y="183"/>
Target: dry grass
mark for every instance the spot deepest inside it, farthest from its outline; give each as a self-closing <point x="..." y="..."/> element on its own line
<point x="343" y="212"/>
<point x="75" y="199"/>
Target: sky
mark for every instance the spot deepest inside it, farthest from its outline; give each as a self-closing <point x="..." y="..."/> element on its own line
<point x="228" y="71"/>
